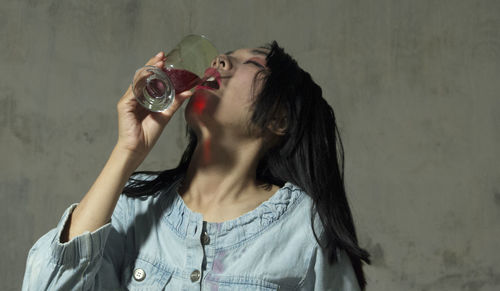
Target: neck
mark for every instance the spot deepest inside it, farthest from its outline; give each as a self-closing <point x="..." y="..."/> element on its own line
<point x="221" y="172"/>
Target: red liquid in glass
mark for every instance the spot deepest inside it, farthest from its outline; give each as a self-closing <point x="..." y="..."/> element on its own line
<point x="182" y="80"/>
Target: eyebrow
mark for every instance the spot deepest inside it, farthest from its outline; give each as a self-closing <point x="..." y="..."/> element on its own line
<point x="259" y="52"/>
<point x="254" y="51"/>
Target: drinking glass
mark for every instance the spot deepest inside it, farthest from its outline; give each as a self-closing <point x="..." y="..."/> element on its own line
<point x="185" y="65"/>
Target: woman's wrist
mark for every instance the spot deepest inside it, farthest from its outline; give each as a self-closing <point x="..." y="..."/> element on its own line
<point x="129" y="159"/>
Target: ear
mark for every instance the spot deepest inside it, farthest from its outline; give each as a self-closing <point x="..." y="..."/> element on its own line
<point x="279" y="125"/>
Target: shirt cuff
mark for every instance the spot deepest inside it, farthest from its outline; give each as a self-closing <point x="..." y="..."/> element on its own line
<point x="86" y="246"/>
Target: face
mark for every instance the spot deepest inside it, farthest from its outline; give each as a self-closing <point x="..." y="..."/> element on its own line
<point x="227" y="109"/>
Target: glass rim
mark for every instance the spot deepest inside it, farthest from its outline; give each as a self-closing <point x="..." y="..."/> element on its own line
<point x="205" y="37"/>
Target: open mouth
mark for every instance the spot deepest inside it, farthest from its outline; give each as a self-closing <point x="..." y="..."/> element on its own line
<point x="212" y="80"/>
<point x="211" y="83"/>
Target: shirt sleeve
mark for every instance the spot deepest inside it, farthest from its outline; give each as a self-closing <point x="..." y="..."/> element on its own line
<point x="323" y="276"/>
<point x="89" y="261"/>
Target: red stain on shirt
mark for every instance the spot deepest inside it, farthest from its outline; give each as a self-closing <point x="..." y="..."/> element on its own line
<point x="214" y="287"/>
<point x="218" y="265"/>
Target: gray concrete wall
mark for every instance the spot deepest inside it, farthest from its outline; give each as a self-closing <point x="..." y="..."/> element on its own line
<point x="415" y="86"/>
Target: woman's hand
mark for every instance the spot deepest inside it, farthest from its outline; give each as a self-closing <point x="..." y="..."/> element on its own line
<point x="139" y="128"/>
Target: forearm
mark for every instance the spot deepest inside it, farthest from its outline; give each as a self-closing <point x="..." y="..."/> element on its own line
<point x="96" y="207"/>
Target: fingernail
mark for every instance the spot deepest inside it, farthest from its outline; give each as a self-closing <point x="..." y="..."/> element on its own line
<point x="159" y="54"/>
<point x="158" y="63"/>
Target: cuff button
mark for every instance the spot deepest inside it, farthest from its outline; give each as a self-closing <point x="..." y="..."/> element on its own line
<point x="139" y="274"/>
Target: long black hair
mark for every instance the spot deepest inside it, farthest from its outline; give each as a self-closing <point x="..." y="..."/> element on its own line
<point x="310" y="154"/>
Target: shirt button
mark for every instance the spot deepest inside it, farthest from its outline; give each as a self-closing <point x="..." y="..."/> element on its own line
<point x="205" y="239"/>
<point x="139" y="274"/>
<point x="195" y="276"/>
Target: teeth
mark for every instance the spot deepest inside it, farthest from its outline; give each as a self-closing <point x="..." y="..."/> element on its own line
<point x="211" y="79"/>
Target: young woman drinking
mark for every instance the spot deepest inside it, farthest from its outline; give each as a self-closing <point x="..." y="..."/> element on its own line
<point x="257" y="201"/>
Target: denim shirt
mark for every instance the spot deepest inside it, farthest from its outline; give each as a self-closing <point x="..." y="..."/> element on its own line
<point x="157" y="243"/>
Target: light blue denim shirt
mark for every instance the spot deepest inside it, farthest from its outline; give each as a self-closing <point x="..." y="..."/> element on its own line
<point x="158" y="243"/>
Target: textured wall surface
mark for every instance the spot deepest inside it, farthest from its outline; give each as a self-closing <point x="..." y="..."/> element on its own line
<point x="414" y="84"/>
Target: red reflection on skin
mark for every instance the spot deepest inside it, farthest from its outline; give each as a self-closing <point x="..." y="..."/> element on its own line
<point x="199" y="103"/>
<point x="207" y="151"/>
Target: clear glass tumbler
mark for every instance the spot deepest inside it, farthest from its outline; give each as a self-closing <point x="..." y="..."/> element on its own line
<point x="184" y="68"/>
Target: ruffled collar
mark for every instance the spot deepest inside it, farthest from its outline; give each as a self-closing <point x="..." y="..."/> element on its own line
<point x="181" y="219"/>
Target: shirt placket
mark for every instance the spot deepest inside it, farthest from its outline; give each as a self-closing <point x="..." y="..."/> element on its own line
<point x="194" y="255"/>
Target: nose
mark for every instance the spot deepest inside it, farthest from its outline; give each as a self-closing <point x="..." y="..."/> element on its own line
<point x="221" y="62"/>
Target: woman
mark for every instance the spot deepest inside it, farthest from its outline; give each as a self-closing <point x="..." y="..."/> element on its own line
<point x="256" y="203"/>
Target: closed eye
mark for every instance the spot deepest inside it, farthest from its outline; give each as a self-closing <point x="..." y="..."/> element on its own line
<point x="255" y="63"/>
